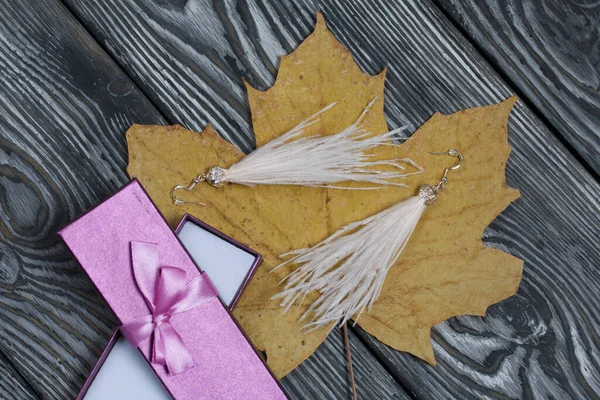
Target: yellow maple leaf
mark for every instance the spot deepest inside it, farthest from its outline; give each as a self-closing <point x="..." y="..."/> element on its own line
<point x="444" y="271"/>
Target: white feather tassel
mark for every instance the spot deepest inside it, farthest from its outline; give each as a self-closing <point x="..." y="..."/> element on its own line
<point x="348" y="268"/>
<point x="363" y="252"/>
<point x="316" y="161"/>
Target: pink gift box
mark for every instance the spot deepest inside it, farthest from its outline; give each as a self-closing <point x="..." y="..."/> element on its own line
<point x="208" y="247"/>
<point x="226" y="366"/>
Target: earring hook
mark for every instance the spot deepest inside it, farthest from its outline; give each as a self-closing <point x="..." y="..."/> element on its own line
<point x="453" y="153"/>
<point x="191" y="186"/>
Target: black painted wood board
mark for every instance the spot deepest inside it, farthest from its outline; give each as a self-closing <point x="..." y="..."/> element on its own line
<point x="549" y="51"/>
<point x="12" y="384"/>
<point x="534" y="344"/>
<point x="558" y="196"/>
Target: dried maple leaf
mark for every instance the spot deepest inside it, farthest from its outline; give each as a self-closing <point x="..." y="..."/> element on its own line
<point x="445" y="269"/>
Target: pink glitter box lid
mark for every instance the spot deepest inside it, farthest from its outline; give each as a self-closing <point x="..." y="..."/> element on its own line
<point x="226" y="364"/>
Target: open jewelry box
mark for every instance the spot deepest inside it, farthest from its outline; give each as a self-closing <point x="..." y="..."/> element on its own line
<point x="122" y="372"/>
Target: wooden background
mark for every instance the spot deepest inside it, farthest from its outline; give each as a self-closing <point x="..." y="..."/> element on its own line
<point x="75" y="74"/>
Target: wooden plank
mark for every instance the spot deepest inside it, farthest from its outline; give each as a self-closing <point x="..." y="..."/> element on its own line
<point x="12" y="383"/>
<point x="64" y="108"/>
<point x="549" y="52"/>
<point x="539" y="341"/>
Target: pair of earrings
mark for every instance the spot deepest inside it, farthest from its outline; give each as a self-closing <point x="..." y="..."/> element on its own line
<point x="362" y="258"/>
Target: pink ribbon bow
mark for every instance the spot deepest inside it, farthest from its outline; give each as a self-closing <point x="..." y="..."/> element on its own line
<point x="166" y="294"/>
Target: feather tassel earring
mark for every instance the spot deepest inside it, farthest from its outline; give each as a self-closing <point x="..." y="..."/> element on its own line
<point x="315" y="161"/>
<point x="363" y="253"/>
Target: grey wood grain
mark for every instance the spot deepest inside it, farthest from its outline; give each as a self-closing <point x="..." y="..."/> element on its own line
<point x="64" y="108"/>
<point x="12" y="384"/>
<point x="539" y="344"/>
<point x="324" y="375"/>
<point x="550" y="51"/>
